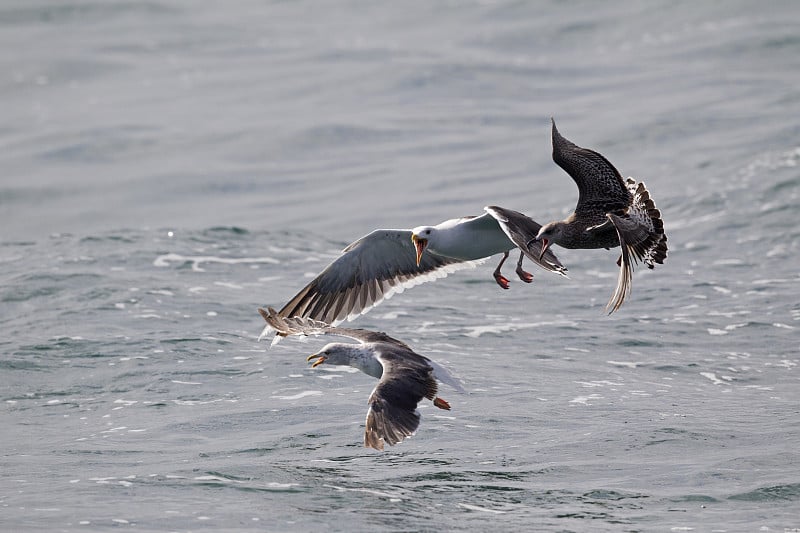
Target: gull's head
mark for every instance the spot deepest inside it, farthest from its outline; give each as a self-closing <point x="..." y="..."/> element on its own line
<point x="421" y="237"/>
<point x="335" y="353"/>
<point x="548" y="234"/>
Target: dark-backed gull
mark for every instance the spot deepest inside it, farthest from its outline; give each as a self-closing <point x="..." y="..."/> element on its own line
<point x="610" y="211"/>
<point x="405" y="376"/>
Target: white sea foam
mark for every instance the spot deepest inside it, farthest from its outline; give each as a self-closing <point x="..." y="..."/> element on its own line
<point x="299" y="395"/>
<point x="478" y="508"/>
<point x="197" y="260"/>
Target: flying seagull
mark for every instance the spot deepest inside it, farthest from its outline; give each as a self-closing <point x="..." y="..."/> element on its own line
<point x="405" y="376"/>
<point x="388" y="261"/>
<point x="610" y="212"/>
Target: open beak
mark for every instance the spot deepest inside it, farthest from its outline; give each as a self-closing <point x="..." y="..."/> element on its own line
<point x="319" y="359"/>
<point x="420" y="245"/>
<point x="545" y="245"/>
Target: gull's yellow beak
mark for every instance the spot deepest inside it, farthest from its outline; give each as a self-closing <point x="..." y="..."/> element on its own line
<point x="420" y="245"/>
<point x="319" y="359"/>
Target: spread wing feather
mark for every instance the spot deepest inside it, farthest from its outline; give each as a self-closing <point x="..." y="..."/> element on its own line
<point x="285" y="326"/>
<point x="392" y="416"/>
<point x="601" y="188"/>
<point x="370" y="270"/>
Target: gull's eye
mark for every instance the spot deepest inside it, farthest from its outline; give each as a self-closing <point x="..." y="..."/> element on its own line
<point x="427" y="232"/>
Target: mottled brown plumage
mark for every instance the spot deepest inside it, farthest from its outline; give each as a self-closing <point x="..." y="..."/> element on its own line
<point x="610" y="212"/>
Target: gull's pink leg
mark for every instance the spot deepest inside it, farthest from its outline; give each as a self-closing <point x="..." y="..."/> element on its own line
<point x="498" y="277"/>
<point x="527" y="277"/>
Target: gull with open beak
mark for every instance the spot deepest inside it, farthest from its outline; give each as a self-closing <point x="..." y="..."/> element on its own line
<point x="405" y="377"/>
<point x="388" y="261"/>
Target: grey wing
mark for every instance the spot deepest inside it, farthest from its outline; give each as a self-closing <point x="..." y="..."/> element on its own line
<point x="600" y="185"/>
<point x="285" y="326"/>
<point x="392" y="414"/>
<point x="522" y="229"/>
<point x="641" y="238"/>
<point x="371" y="269"/>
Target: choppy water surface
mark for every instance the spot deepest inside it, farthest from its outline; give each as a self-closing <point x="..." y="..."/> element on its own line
<point x="169" y="167"/>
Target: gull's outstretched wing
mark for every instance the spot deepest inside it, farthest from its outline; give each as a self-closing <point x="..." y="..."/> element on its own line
<point x="305" y="326"/>
<point x="373" y="268"/>
<point x="407" y="378"/>
<point x="600" y="185"/>
<point x="285" y="326"/>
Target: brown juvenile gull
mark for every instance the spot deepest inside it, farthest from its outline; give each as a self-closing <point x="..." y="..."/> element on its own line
<point x="388" y="261"/>
<point x="610" y="211"/>
<point x="405" y="376"/>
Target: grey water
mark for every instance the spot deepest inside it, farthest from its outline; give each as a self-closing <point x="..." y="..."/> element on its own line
<point x="166" y="167"/>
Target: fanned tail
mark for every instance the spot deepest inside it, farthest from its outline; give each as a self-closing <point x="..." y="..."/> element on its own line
<point x="654" y="248"/>
<point x="641" y="237"/>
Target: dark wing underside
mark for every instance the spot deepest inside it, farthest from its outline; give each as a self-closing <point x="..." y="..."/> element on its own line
<point x="407" y="379"/>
